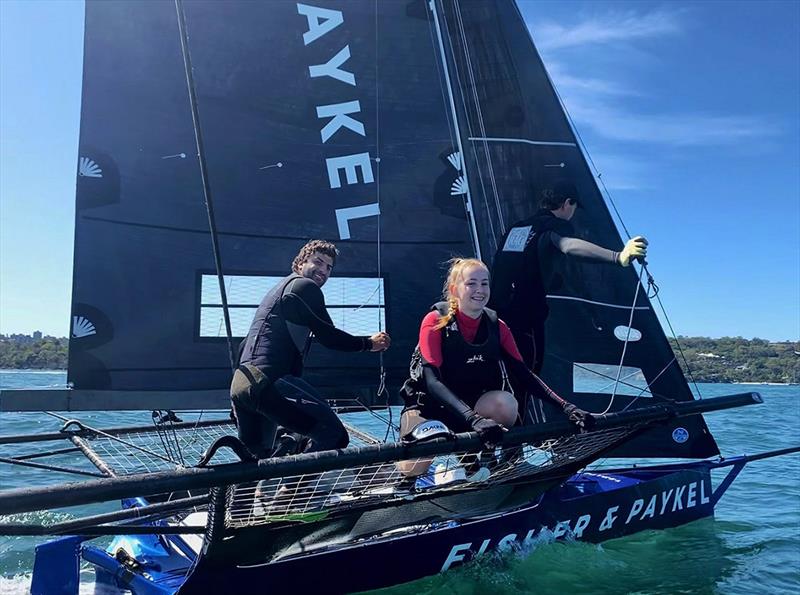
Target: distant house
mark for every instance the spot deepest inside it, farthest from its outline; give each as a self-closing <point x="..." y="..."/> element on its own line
<point x="711" y="355"/>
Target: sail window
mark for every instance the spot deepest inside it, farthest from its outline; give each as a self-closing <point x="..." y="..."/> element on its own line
<point x="602" y="379"/>
<point x="355" y="304"/>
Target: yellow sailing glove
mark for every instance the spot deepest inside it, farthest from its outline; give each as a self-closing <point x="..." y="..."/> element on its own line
<point x="635" y="248"/>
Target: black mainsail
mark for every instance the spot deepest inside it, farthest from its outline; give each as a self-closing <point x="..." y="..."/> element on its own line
<point x="317" y="122"/>
<point x="407" y="132"/>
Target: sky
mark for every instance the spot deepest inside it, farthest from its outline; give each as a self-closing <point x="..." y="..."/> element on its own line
<point x="689" y="110"/>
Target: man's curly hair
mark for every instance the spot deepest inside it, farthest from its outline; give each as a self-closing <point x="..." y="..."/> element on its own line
<point x="323" y="246"/>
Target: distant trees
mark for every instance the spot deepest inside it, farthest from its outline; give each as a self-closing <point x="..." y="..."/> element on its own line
<point x="729" y="359"/>
<point x="20" y="352"/>
<point x="733" y="359"/>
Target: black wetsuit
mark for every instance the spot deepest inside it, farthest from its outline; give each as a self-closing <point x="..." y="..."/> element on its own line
<point x="468" y="370"/>
<point x="267" y="390"/>
<point x="523" y="269"/>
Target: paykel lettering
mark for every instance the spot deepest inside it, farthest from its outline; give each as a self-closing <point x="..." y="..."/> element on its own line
<point x="339" y="118"/>
<point x="639" y="510"/>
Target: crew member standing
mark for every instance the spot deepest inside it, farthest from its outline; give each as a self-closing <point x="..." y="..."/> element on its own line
<point x="527" y="260"/>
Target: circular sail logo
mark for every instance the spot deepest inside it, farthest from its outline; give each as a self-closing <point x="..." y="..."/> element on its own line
<point x="680" y="435"/>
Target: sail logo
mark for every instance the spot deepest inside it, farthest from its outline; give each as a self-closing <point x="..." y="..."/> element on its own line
<point x="89" y="169"/>
<point x="82" y="327"/>
<point x="338" y="116"/>
<point x="680" y="435"/>
<point x="459" y="186"/>
<point x="475" y="359"/>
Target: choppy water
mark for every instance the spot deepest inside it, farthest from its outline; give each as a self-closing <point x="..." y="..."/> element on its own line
<point x="752" y="546"/>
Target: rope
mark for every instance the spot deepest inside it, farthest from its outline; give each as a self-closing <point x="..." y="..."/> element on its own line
<point x="382" y="374"/>
<point x="625" y="344"/>
<point x="607" y="194"/>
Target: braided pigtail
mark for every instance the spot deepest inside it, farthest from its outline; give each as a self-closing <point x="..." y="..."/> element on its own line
<point x="451" y="312"/>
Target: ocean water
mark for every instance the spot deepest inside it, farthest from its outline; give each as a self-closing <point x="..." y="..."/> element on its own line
<point x="751" y="546"/>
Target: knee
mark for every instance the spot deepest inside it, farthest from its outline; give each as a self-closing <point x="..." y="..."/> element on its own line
<point x="333" y="437"/>
<point x="342" y="439"/>
<point x="498" y="405"/>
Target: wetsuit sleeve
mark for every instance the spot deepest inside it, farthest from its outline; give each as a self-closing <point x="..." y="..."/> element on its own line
<point x="443" y="395"/>
<point x="533" y="384"/>
<point x="304" y="304"/>
<point x="430" y="340"/>
<point x="507" y="341"/>
<point x="582" y="249"/>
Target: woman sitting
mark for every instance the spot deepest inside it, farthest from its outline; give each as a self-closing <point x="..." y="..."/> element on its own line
<point x="458" y="369"/>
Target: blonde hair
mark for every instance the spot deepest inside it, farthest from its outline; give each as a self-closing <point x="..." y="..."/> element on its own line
<point x="457" y="266"/>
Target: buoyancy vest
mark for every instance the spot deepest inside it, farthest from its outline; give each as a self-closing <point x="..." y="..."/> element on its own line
<point x="271" y="345"/>
<point x="519" y="283"/>
<point x="468" y="369"/>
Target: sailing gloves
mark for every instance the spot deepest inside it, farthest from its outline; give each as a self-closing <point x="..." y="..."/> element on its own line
<point x="583" y="419"/>
<point x="490" y="432"/>
<point x="635" y="249"/>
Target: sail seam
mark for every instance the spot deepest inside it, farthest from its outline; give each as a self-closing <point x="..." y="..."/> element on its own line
<point x="527" y="141"/>
<point x="596" y="303"/>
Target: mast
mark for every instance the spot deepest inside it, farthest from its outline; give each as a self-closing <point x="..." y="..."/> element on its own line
<point x="454" y="113"/>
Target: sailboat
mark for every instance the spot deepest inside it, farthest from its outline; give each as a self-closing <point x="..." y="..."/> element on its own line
<point x="216" y="138"/>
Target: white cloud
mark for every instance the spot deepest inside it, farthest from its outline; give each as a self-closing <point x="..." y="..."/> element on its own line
<point x="673" y="129"/>
<point x="589" y="99"/>
<point x="608" y="28"/>
<point x="565" y="81"/>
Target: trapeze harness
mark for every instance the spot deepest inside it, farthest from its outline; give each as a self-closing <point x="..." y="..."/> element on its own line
<point x="468" y="370"/>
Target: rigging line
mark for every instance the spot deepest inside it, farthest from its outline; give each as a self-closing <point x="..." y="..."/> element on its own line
<point x="440" y="78"/>
<point x="610" y="198"/>
<point x="678" y="344"/>
<point x="621" y="381"/>
<point x="585" y="151"/>
<point x="161" y="438"/>
<point x="641" y="392"/>
<point x="470" y="211"/>
<point x="201" y="159"/>
<point x="460" y="86"/>
<point x="627" y="340"/>
<point x="47" y="467"/>
<point x="381" y="362"/>
<point x="606" y="376"/>
<point x="110" y="437"/>
<point x="479" y="110"/>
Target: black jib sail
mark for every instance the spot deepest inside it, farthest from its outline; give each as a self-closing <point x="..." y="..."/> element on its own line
<point x="406" y="132"/>
<point x="605" y="347"/>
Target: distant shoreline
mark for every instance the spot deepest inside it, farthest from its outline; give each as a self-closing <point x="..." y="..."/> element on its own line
<point x="64" y="371"/>
<point x="731" y="360"/>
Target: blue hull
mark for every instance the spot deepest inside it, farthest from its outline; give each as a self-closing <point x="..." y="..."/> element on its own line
<point x="591" y="507"/>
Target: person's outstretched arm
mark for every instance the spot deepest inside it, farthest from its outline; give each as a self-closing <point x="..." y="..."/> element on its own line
<point x="634" y="248"/>
<point x="304" y="304"/>
<point x="533" y="384"/>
